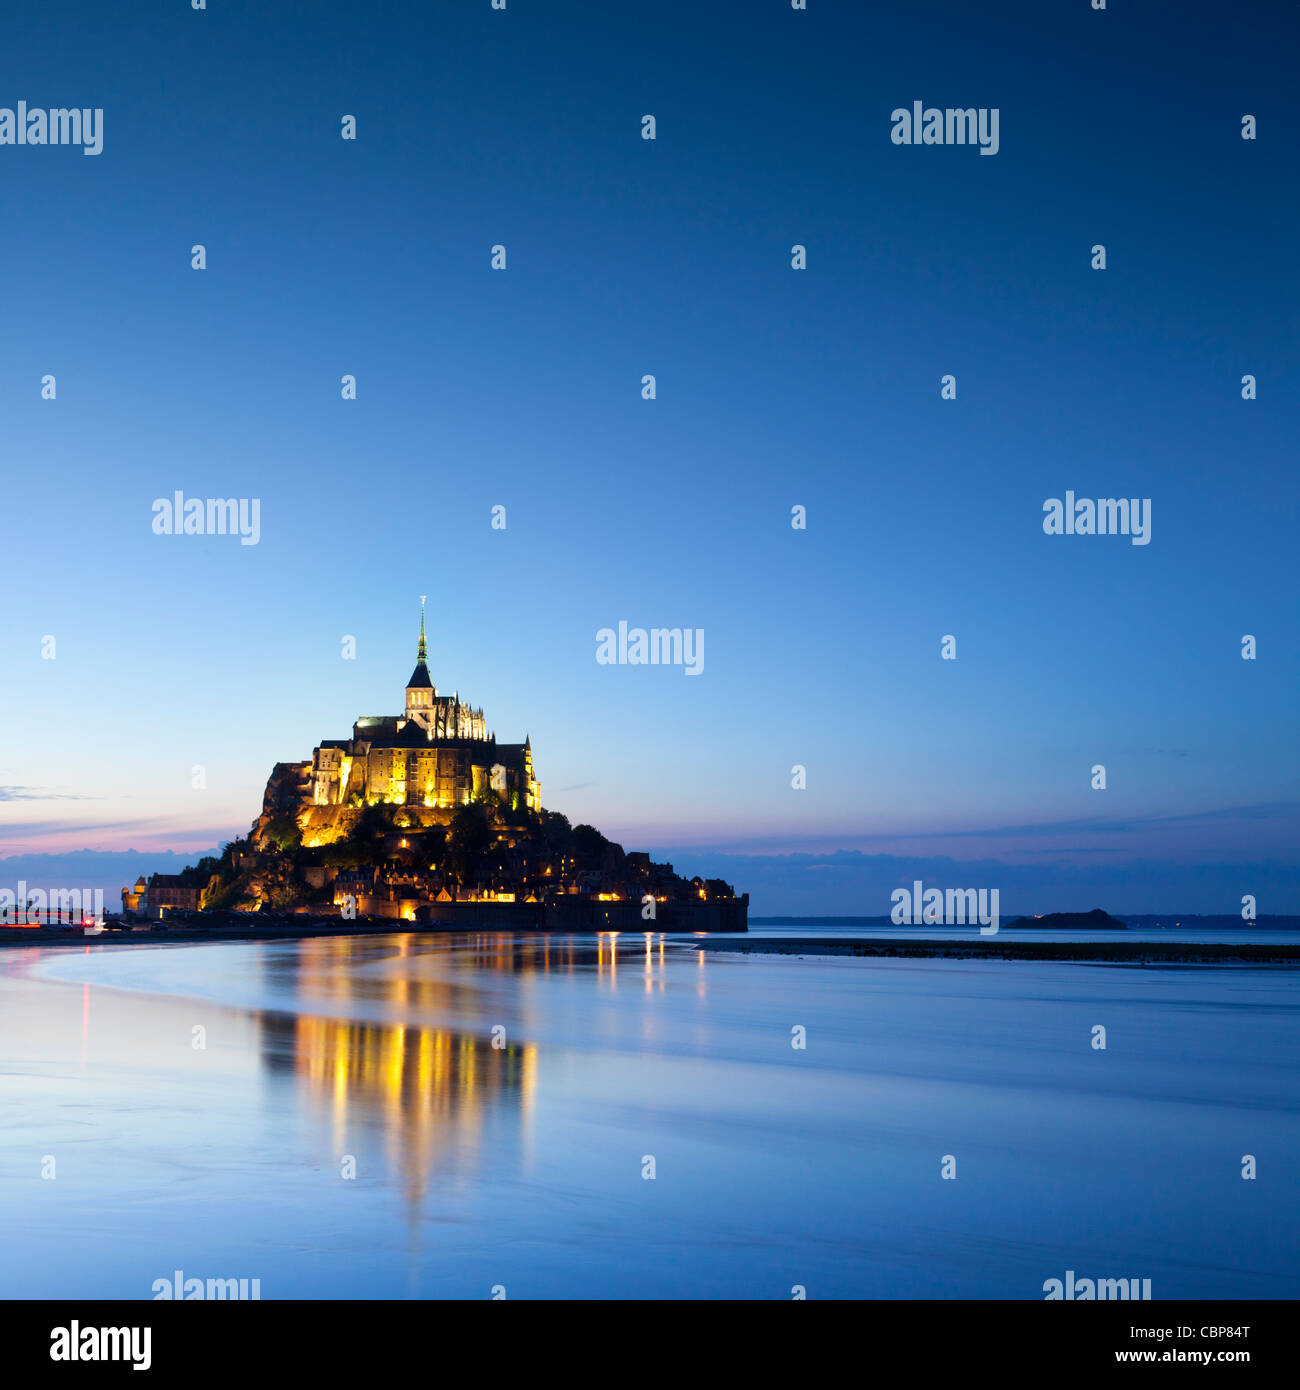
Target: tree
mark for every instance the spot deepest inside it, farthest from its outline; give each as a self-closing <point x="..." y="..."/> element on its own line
<point x="556" y="834"/>
<point x="344" y="854"/>
<point x="470" y="831"/>
<point x="282" y="831"/>
<point x="588" y="846"/>
<point x="374" y="822"/>
<point x="221" y="893"/>
<point x="468" y="836"/>
<point x="273" y="884"/>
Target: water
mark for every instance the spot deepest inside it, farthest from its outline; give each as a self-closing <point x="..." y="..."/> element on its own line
<point x="522" y="1167"/>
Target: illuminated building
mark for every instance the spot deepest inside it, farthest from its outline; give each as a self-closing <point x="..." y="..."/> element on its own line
<point x="437" y="754"/>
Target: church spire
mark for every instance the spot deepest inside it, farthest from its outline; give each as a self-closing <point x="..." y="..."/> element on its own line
<point x="420" y="678"/>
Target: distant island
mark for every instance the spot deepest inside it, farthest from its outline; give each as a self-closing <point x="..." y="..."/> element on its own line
<point x="1096" y="920"/>
<point x="424" y="817"/>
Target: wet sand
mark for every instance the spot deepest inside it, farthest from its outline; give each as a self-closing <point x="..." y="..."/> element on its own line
<point x="337" y="1118"/>
<point x="1106" y="952"/>
<point x="275" y="929"/>
<point x="989" y="948"/>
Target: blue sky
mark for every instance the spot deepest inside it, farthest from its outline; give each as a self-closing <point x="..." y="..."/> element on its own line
<point x="775" y="387"/>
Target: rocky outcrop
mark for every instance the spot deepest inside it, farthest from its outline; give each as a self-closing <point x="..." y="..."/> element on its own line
<point x="1096" y="920"/>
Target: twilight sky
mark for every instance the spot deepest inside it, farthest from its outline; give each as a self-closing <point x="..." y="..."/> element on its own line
<point x="522" y="388"/>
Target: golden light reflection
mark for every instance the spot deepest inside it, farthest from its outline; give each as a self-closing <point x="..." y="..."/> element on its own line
<point x="607" y="956"/>
<point x="652" y="975"/>
<point x="410" y="1077"/>
<point x="431" y="1095"/>
<point x="427" y="1092"/>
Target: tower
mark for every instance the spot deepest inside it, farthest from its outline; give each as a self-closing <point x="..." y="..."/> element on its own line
<point x="420" y="690"/>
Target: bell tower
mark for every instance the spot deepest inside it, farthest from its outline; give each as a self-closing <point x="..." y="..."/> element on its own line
<point x="420" y="691"/>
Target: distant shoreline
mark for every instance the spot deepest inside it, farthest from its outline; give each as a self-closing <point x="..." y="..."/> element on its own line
<point x="1140" y="920"/>
<point x="1085" y="952"/>
<point x="280" y="930"/>
<point x="294" y="928"/>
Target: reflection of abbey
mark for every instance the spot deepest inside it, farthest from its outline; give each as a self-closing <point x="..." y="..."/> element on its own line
<point x="437" y="755"/>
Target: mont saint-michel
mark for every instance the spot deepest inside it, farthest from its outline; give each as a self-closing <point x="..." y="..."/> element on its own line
<point x="425" y="817"/>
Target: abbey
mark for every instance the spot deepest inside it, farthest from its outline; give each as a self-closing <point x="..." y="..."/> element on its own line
<point x="424" y="817"/>
<point x="438" y="753"/>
